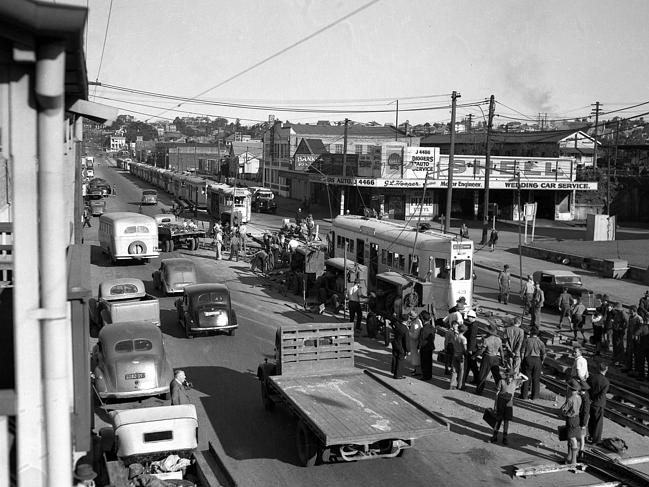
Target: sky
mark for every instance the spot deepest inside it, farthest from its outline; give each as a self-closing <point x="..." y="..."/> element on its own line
<point x="334" y="59"/>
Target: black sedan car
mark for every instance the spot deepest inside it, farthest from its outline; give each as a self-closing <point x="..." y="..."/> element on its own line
<point x="206" y="308"/>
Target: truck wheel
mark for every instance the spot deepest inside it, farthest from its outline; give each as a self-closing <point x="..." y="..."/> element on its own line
<point x="307" y="448"/>
<point x="269" y="404"/>
<point x="191" y="244"/>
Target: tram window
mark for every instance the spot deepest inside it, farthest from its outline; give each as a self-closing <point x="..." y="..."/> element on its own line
<point x="351" y="245"/>
<point x="461" y="270"/>
<point x="339" y="242"/>
<point x="389" y="260"/>
<point x="414" y="265"/>
<point x="441" y="271"/>
<point x="402" y="261"/>
<point x="383" y="256"/>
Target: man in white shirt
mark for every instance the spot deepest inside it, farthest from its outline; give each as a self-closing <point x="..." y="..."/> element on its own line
<point x="580" y="366"/>
<point x="354" y="296"/>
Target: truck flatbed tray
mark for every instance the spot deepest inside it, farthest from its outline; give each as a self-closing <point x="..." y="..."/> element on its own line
<point x="350" y="407"/>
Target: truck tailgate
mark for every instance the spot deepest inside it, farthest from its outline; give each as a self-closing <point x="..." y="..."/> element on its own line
<point x="353" y="408"/>
<point x="136" y="311"/>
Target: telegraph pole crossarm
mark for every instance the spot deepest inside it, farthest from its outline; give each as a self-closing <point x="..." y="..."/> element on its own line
<point x="449" y="189"/>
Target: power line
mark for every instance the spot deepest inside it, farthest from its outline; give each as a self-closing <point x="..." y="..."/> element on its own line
<point x="286" y="49"/>
<point x="103" y="47"/>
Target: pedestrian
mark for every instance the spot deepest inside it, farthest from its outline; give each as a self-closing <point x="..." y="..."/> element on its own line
<point x="608" y="326"/>
<point x="599" y="385"/>
<point x="641" y="347"/>
<point x="464" y="231"/>
<point x="456" y="313"/>
<point x="565" y="307"/>
<point x="570" y="411"/>
<point x="577" y="318"/>
<point x="399" y="348"/>
<point x="414" y="331"/>
<point x="584" y="415"/>
<point x="504" y="283"/>
<point x="643" y="306"/>
<point x="504" y="402"/>
<point x="426" y="345"/>
<point x="372" y="324"/>
<point x="528" y="293"/>
<point x="514" y="337"/>
<point x="178" y="389"/>
<point x="492" y="355"/>
<point x="310" y="228"/>
<point x="579" y="368"/>
<point x="620" y="325"/>
<point x="114" y="190"/>
<point x="259" y="261"/>
<point x="538" y="300"/>
<point x="459" y="354"/>
<point x="354" y="295"/>
<point x="84" y="475"/>
<point x="493" y="239"/>
<point x="218" y="239"/>
<point x="471" y="335"/>
<point x="442" y="221"/>
<point x="244" y="237"/>
<point x="448" y="348"/>
<point x="139" y="208"/>
<point x="234" y="245"/>
<point x="635" y="322"/>
<point x="298" y="217"/>
<point x="86" y="217"/>
<point x="599" y="319"/>
<point x="533" y="356"/>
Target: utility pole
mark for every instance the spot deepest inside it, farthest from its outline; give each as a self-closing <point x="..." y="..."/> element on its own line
<point x="342" y="188"/>
<point x="487" y="171"/>
<point x="449" y="189"/>
<point x="596" y="112"/>
<point x="608" y="169"/>
<point x="396" y="123"/>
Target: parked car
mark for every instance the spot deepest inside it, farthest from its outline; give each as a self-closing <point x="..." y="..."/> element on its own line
<point x="97" y="206"/>
<point x="99" y="186"/>
<point x="174" y="275"/>
<point x="263" y="200"/>
<point x="130" y="361"/>
<point x="206" y="308"/>
<point x="553" y="281"/>
<point x="123" y="300"/>
<point x="149" y="197"/>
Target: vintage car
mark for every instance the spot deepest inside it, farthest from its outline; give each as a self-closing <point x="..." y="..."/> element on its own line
<point x="165" y="218"/>
<point x="97" y="206"/>
<point x="149" y="197"/>
<point x="554" y="281"/>
<point x="263" y="200"/>
<point x="99" y="186"/>
<point x="130" y="361"/>
<point x="123" y="300"/>
<point x="206" y="308"/>
<point x="174" y="275"/>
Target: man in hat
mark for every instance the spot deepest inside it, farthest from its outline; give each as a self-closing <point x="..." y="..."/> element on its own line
<point x="533" y="353"/>
<point x="538" y="300"/>
<point x="504" y="283"/>
<point x="456" y="313"/>
<point x="399" y="348"/>
<point x="641" y="349"/>
<point x="643" y="306"/>
<point x="578" y="318"/>
<point x="504" y="403"/>
<point x="84" y="475"/>
<point x="514" y="337"/>
<point x="620" y="325"/>
<point x="492" y="354"/>
<point x="635" y="322"/>
<point x="528" y="292"/>
<point x="565" y="307"/>
<point x="459" y="352"/>
<point x="570" y="411"/>
<point x="599" y="385"/>
<point x="354" y="296"/>
<point x="471" y="335"/>
<point x="414" y="330"/>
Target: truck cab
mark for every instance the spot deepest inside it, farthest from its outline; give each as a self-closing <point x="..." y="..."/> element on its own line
<point x="123" y="300"/>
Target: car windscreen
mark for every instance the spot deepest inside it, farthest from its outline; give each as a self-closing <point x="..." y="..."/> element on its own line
<point x="568" y="279"/>
<point x="150" y="192"/>
<point x="137" y="345"/>
<point x="136" y="229"/>
<point x="211" y="299"/>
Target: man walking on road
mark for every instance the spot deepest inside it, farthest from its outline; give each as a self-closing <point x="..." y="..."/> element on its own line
<point x="598" y="388"/>
<point x="635" y="322"/>
<point x="514" y="336"/>
<point x="620" y="324"/>
<point x="471" y="335"/>
<point x="504" y="283"/>
<point x="533" y="356"/>
<point x="565" y="307"/>
<point x="538" y="299"/>
<point x="399" y="348"/>
<point x="578" y="318"/>
<point x="492" y="353"/>
<point x="355" y="311"/>
<point x="177" y="389"/>
<point x="459" y="353"/>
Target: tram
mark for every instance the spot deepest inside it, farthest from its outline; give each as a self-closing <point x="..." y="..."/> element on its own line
<point x="219" y="200"/>
<point x="398" y="253"/>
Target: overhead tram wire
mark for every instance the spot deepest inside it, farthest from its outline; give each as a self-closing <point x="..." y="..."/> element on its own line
<point x="286" y="49"/>
<point x="103" y="47"/>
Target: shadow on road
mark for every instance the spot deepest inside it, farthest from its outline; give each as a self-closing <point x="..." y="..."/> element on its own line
<point x="245" y="429"/>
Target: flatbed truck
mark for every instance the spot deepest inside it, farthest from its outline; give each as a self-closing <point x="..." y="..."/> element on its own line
<point x="342" y="412"/>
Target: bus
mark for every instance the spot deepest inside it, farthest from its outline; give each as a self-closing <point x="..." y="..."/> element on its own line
<point x="125" y="235"/>
<point x="219" y="201"/>
<point x="399" y="254"/>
